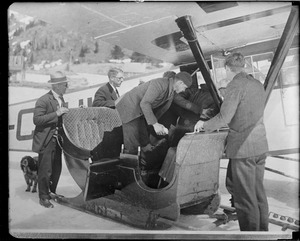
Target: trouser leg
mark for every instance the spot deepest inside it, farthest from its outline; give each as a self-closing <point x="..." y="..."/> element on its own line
<point x="261" y="194"/>
<point x="130" y="135"/>
<point x="167" y="170"/>
<point x="135" y="134"/>
<point x="228" y="182"/>
<point x="56" y="168"/>
<point x="144" y="138"/>
<point x="244" y="193"/>
<point x="45" y="170"/>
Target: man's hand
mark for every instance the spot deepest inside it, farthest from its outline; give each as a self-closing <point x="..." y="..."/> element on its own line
<point x="199" y="126"/>
<point x="62" y="110"/>
<point x="160" y="129"/>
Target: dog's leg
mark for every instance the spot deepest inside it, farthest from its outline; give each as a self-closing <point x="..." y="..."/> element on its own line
<point x="34" y="186"/>
<point x="35" y="182"/>
<point x="28" y="183"/>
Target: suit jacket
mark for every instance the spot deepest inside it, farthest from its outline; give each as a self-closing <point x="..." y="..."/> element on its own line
<point x="105" y="96"/>
<point x="194" y="99"/>
<point x="45" y="120"/>
<point x="243" y="112"/>
<point x="150" y="99"/>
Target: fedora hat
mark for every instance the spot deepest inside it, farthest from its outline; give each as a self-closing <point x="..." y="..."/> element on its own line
<point x="57" y="78"/>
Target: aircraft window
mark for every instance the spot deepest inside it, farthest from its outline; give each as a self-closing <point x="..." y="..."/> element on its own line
<point x="200" y="79"/>
<point x="219" y="71"/>
<point x="259" y="65"/>
<point x="290" y="69"/>
<point x="248" y="65"/>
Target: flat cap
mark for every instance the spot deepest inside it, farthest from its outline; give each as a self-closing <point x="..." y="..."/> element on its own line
<point x="185" y="77"/>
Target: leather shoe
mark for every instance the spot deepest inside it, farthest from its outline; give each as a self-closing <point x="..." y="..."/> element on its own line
<point x="46" y="203"/>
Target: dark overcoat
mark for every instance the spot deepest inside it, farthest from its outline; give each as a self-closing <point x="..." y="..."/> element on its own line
<point x="243" y="112"/>
<point x="45" y="120"/>
<point x="105" y="96"/>
<point x="150" y="99"/>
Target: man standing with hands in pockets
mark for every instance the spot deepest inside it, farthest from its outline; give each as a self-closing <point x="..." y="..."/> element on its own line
<point x="243" y="111"/>
<point x="47" y="117"/>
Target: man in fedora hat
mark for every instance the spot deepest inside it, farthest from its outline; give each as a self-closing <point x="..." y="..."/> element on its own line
<point x="47" y="116"/>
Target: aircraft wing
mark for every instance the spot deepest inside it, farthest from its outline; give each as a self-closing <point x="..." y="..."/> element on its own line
<point x="150" y="28"/>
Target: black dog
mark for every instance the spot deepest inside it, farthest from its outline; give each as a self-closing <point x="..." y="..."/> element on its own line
<point x="29" y="167"/>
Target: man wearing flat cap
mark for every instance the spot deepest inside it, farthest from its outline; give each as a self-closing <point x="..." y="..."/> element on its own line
<point x="47" y="117"/>
<point x="142" y="106"/>
<point x="246" y="143"/>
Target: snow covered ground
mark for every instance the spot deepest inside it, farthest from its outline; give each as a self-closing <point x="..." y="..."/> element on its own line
<point x="27" y="217"/>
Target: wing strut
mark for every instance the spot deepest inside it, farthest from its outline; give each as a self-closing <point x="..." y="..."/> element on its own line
<point x="187" y="28"/>
<point x="282" y="50"/>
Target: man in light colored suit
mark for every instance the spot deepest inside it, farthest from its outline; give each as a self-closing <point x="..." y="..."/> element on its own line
<point x="107" y="94"/>
<point x="47" y="117"/>
<point x="144" y="105"/>
<point x="243" y="112"/>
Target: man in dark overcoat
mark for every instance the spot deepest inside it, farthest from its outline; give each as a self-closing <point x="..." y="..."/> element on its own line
<point x="107" y="94"/>
<point x="47" y="117"/>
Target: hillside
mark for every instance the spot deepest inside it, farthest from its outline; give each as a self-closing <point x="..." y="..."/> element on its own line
<point x="39" y="41"/>
<point x="51" y="43"/>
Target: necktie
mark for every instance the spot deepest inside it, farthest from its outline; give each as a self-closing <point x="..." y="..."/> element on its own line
<point x="117" y="93"/>
<point x="63" y="103"/>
